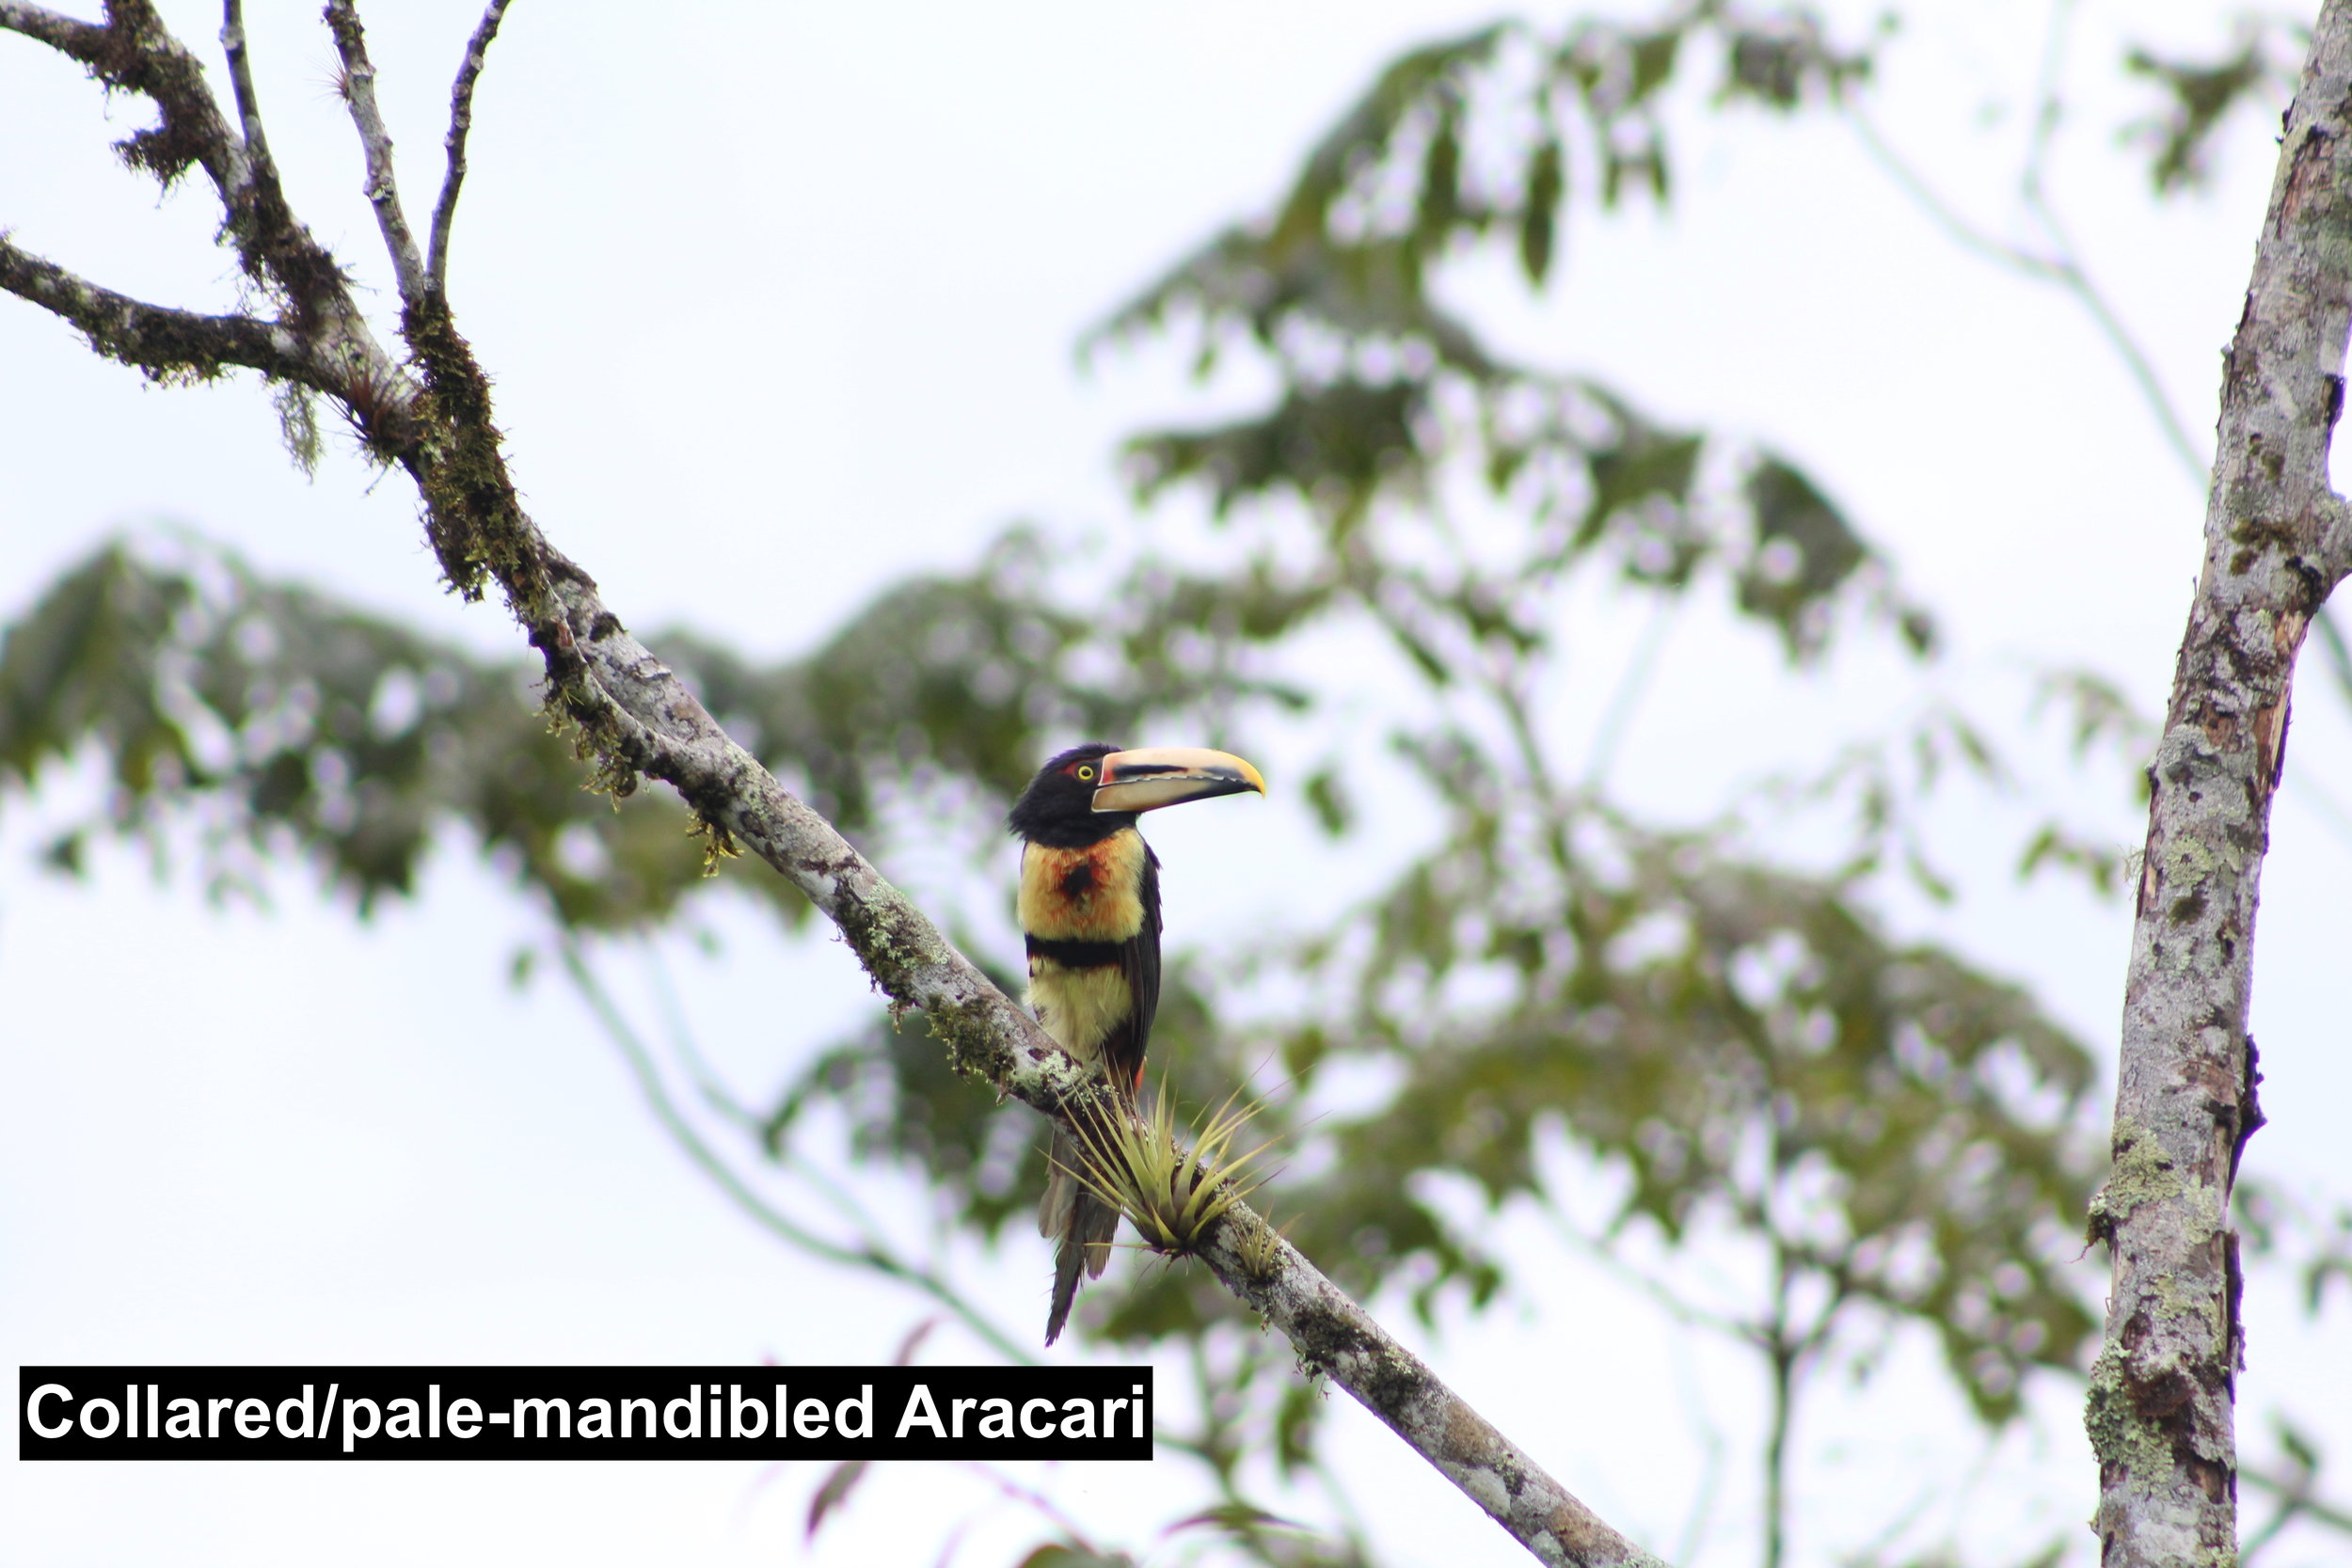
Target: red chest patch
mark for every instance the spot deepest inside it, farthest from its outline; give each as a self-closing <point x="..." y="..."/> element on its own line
<point x="1089" y="894"/>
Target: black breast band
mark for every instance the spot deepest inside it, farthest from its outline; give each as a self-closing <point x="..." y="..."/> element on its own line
<point x="1076" y="955"/>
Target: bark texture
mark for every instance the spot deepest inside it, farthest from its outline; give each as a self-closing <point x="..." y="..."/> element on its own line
<point x="429" y="413"/>
<point x="2160" y="1409"/>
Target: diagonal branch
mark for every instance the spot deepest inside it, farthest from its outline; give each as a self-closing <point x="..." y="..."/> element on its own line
<point x="2062" y="264"/>
<point x="667" y="734"/>
<point x="460" y="124"/>
<point x="168" y="344"/>
<point x="375" y="141"/>
<point x="1956" y="226"/>
<point x="2033" y="186"/>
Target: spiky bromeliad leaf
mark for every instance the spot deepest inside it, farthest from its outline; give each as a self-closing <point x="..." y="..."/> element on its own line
<point x="1140" y="1168"/>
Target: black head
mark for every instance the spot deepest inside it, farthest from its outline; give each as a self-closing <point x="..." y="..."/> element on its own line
<point x="1057" y="808"/>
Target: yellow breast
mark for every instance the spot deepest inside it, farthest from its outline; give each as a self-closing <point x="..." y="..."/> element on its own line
<point x="1080" y="1006"/>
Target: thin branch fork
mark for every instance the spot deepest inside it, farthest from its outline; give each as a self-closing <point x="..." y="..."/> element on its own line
<point x="132" y="52"/>
<point x="319" y="339"/>
<point x="639" y="719"/>
<point x="232" y="45"/>
<point x="453" y="144"/>
<point x="2161" y="1405"/>
<point x="375" y="142"/>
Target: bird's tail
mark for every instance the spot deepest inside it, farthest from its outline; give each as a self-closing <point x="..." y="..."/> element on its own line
<point x="1082" y="1225"/>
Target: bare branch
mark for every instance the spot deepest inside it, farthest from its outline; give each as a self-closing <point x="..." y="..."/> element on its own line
<point x="232" y="45"/>
<point x="382" y="189"/>
<point x="635" y="706"/>
<point x="168" y="344"/>
<point x="2161" y="1409"/>
<point x="460" y="124"/>
<point x="2033" y="185"/>
<point x="1956" y="226"/>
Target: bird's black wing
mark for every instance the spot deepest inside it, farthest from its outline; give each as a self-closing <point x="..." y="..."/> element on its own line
<point x="1140" y="962"/>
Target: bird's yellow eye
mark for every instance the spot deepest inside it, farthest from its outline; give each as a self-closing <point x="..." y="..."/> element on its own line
<point x="1086" y="771"/>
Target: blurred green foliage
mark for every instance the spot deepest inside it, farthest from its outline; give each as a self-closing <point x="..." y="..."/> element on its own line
<point x="2197" y="96"/>
<point x="287" y="723"/>
<point x="1478" y="140"/>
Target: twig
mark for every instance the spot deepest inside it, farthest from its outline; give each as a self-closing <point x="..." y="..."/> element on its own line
<point x="2295" y="1499"/>
<point x="2034" y="186"/>
<point x="723" y="1102"/>
<point x="1956" y="225"/>
<point x="134" y="52"/>
<point x="460" y="123"/>
<point x="2063" y="267"/>
<point x="869" y="1256"/>
<point x="1618" y="717"/>
<point x="232" y="45"/>
<point x="383" y="188"/>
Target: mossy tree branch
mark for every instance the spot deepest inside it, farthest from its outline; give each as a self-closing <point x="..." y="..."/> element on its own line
<point x="634" y="718"/>
<point x="2277" y="543"/>
<point x="168" y="344"/>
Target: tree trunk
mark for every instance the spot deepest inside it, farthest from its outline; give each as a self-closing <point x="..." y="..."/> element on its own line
<point x="2275" y="542"/>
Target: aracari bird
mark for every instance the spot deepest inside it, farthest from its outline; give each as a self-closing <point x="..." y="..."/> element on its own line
<point x="1090" y="909"/>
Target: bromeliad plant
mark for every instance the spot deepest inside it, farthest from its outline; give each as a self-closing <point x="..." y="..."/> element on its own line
<point x="1173" y="1198"/>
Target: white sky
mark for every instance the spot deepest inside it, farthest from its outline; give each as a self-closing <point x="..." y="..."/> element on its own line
<point x="781" y="302"/>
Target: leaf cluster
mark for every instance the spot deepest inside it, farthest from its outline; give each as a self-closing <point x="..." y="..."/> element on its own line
<point x="1742" y="1043"/>
<point x="2197" y="96"/>
<point x="283" y="722"/>
<point x="1475" y="140"/>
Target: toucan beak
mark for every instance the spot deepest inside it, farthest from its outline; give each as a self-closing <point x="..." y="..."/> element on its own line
<point x="1157" y="776"/>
